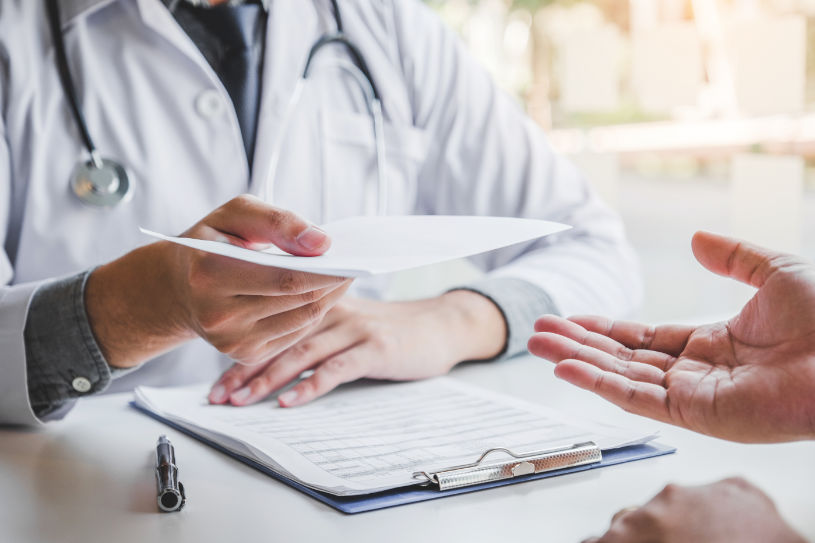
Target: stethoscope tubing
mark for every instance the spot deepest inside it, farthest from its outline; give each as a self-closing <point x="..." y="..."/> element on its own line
<point x="64" y="70"/>
<point x="266" y="190"/>
<point x="85" y="179"/>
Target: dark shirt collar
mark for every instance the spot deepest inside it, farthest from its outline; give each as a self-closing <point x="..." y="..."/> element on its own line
<point x="70" y="9"/>
<point x="205" y="3"/>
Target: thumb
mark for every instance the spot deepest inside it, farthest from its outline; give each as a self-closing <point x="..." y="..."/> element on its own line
<point x="733" y="258"/>
<point x="255" y="222"/>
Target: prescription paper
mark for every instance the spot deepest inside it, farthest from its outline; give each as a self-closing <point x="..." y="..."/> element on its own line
<point x="369" y="437"/>
<point x="364" y="246"/>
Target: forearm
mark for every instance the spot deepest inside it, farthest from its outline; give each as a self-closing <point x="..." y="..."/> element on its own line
<point x="487" y="320"/>
<point x="84" y="330"/>
<point x="131" y="307"/>
<point x="475" y="326"/>
<point x="519" y="302"/>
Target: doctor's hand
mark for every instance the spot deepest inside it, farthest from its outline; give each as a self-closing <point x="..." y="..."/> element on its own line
<point x="749" y="379"/>
<point x="723" y="512"/>
<point x="163" y="294"/>
<point x="381" y="340"/>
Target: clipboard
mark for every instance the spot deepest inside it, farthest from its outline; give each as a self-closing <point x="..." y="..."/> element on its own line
<point x="482" y="474"/>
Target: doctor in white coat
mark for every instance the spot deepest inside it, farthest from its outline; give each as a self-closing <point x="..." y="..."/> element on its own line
<point x="89" y="304"/>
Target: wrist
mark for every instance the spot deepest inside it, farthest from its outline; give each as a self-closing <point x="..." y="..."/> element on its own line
<point x="132" y="306"/>
<point x="477" y="326"/>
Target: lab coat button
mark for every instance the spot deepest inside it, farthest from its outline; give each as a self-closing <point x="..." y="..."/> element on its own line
<point x="81" y="384"/>
<point x="209" y="104"/>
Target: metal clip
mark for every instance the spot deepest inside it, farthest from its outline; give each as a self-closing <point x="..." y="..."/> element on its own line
<point x="526" y="464"/>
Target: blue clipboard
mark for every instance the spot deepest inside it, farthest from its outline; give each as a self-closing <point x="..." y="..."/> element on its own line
<point x="406" y="495"/>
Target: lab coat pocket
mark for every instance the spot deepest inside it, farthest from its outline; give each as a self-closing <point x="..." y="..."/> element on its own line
<point x="350" y="170"/>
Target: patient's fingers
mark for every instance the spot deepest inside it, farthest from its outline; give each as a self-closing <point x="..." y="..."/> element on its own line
<point x="645" y="399"/>
<point x="670" y="339"/>
<point x="556" y="348"/>
<point x="572" y="330"/>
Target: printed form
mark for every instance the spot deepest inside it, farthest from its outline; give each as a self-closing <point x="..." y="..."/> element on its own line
<point x="367" y="437"/>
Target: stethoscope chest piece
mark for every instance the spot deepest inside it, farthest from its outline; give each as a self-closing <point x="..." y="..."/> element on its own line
<point x="103" y="183"/>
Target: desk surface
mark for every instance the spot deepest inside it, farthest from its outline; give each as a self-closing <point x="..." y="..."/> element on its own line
<point x="90" y="478"/>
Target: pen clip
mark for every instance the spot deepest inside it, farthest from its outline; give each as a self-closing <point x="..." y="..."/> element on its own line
<point x="183" y="496"/>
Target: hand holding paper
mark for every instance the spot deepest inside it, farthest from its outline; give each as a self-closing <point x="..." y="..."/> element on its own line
<point x="161" y="295"/>
<point x="362" y="338"/>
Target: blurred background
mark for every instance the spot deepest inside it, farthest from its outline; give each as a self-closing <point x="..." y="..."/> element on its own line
<point x="684" y="115"/>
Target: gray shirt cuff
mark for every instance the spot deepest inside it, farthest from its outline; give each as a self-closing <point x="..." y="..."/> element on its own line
<point x="63" y="359"/>
<point x="520" y="302"/>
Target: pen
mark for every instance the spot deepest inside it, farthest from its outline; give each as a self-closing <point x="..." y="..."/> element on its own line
<point x="170" y="490"/>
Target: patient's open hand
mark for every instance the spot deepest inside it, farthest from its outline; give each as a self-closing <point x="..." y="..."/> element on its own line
<point x="750" y="379"/>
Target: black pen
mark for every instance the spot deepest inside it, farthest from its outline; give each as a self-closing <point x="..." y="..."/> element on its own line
<point x="170" y="490"/>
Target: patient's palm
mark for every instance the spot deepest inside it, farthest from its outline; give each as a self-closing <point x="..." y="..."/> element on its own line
<point x="751" y="378"/>
<point x="756" y="372"/>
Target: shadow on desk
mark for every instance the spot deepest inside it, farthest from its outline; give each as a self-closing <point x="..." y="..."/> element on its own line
<point x="102" y="490"/>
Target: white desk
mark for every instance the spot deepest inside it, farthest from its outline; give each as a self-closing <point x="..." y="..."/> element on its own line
<point x="90" y="478"/>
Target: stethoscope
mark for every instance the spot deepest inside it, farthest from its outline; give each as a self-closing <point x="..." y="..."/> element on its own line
<point x="358" y="69"/>
<point x="104" y="183"/>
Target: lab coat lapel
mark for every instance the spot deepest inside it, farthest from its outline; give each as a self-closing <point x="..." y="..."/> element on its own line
<point x="156" y="16"/>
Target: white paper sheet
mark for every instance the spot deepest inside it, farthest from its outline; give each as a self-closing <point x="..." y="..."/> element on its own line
<point x="363" y="246"/>
<point x="370" y="437"/>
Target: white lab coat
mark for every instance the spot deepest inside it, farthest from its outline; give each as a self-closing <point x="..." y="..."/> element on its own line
<point x="456" y="145"/>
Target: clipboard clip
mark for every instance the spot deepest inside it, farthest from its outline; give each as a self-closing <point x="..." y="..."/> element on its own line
<point x="482" y="471"/>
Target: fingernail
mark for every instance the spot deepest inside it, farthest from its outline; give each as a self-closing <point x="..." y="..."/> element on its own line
<point x="312" y="238"/>
<point x="287" y="397"/>
<point x="240" y="396"/>
<point x="217" y="394"/>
